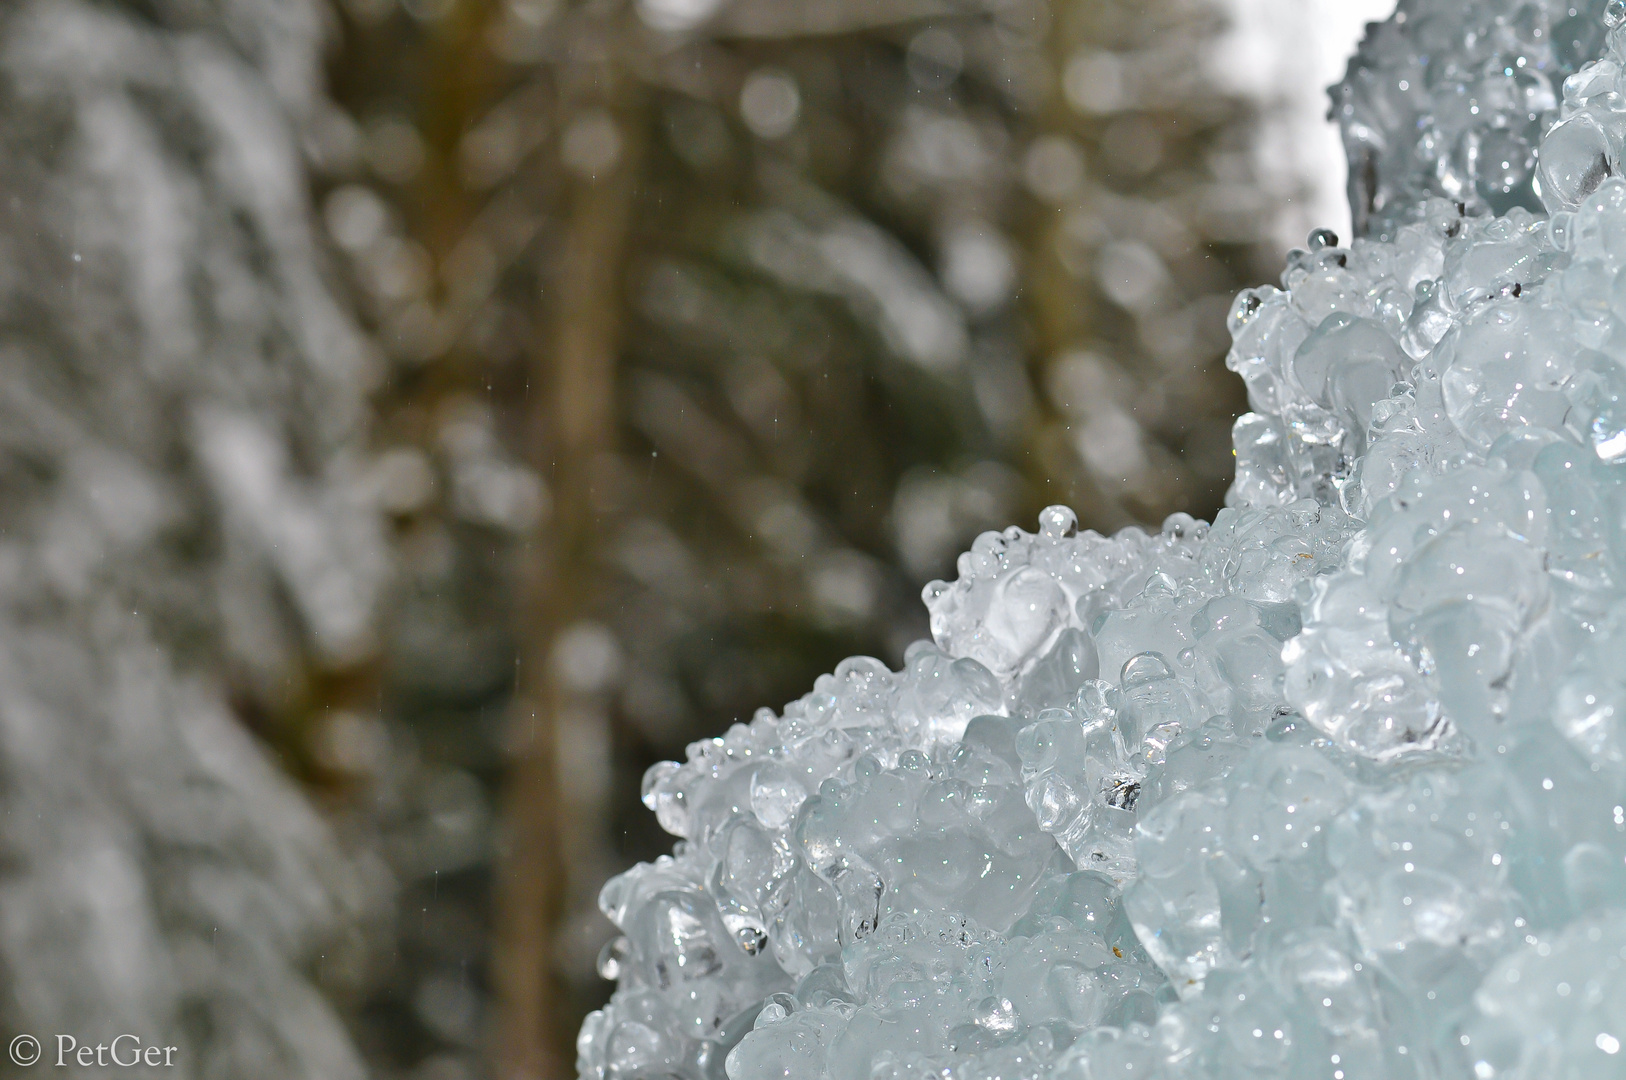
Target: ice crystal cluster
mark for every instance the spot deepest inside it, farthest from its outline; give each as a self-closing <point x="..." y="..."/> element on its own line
<point x="1334" y="787"/>
<point x="1449" y="98"/>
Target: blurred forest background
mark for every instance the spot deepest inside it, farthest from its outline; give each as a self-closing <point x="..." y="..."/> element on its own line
<point x="679" y="344"/>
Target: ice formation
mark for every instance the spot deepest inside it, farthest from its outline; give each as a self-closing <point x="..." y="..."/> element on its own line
<point x="1334" y="787"/>
<point x="1450" y="97"/>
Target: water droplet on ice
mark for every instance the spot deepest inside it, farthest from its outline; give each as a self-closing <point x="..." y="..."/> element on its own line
<point x="1144" y="668"/>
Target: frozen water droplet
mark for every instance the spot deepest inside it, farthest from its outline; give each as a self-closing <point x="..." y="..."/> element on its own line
<point x="750" y="939"/>
<point x="1609" y="433"/>
<point x="1561" y="230"/>
<point x="1575" y="159"/>
<point x="1026" y="609"/>
<point x="613" y="957"/>
<point x="1144" y="668"/>
<point x="1058" y="523"/>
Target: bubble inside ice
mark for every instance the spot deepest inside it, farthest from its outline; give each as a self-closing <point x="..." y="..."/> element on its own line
<point x="1334" y="787"/>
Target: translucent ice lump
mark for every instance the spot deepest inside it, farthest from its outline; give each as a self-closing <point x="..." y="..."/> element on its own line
<point x="1334" y="787"/>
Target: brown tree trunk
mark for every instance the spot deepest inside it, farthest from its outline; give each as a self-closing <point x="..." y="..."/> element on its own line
<point x="572" y="424"/>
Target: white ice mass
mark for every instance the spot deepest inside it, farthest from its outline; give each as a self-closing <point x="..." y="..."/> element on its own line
<point x="1334" y="787"/>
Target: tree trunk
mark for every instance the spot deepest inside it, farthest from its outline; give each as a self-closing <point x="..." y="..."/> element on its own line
<point x="571" y="425"/>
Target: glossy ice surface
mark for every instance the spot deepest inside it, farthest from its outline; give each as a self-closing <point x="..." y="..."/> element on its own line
<point x="1449" y="98"/>
<point x="1334" y="787"/>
